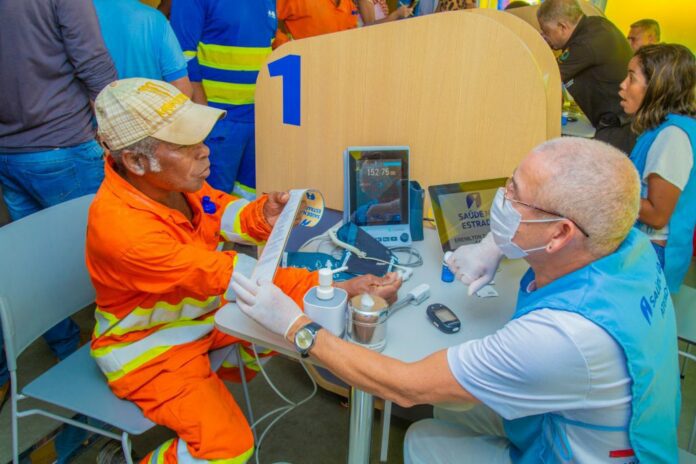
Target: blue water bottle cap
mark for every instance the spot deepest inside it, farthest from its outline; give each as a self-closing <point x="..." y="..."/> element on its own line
<point x="208" y="206"/>
<point x="446" y="275"/>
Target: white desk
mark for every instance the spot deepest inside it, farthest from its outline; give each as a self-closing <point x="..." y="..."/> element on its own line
<point x="410" y="335"/>
<point x="579" y="128"/>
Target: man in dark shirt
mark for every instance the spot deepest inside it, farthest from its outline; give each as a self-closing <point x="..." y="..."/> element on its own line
<point x="593" y="62"/>
<point x="52" y="63"/>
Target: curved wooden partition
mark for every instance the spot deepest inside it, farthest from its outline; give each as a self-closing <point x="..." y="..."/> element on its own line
<point x="462" y="90"/>
<point x="544" y="58"/>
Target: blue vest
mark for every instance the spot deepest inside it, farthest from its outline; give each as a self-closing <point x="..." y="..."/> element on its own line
<point x="681" y="225"/>
<point x="624" y="293"/>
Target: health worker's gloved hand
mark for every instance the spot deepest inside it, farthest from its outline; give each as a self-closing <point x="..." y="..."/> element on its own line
<point x="475" y="265"/>
<point x="266" y="304"/>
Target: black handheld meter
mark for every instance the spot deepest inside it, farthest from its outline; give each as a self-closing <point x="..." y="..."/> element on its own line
<point x="443" y="318"/>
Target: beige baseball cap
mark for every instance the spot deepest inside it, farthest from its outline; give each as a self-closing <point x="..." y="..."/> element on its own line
<point x="129" y="110"/>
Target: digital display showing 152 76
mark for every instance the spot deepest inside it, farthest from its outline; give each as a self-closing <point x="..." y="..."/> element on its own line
<point x="383" y="169"/>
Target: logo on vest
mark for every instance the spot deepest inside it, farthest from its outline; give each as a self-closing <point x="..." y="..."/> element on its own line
<point x="660" y="296"/>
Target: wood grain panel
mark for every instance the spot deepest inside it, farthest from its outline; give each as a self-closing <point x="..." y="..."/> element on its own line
<point x="462" y="90"/>
<point x="544" y="58"/>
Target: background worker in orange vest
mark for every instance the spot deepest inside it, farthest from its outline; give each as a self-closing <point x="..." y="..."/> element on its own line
<point x="152" y="254"/>
<point x="299" y="19"/>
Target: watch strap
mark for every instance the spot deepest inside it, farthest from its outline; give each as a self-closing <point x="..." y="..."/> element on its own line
<point x="313" y="328"/>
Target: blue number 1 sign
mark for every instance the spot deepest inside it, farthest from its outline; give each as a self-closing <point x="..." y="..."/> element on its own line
<point x="289" y="68"/>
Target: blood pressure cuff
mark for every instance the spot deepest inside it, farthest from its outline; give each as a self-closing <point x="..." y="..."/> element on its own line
<point x="354" y="236"/>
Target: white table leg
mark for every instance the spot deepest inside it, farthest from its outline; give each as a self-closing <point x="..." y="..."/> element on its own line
<point x="361" y="413"/>
<point x="386" y="422"/>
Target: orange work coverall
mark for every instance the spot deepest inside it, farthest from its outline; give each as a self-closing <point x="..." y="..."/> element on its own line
<point x="159" y="280"/>
<point x="308" y="18"/>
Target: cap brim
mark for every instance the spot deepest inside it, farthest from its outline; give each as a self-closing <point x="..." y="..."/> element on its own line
<point x="192" y="126"/>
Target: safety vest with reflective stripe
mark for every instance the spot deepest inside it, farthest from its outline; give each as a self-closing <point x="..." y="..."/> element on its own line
<point x="226" y="43"/>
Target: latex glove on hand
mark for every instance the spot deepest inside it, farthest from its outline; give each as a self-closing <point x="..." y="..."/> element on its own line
<point x="475" y="265"/>
<point x="266" y="304"/>
<point x="385" y="287"/>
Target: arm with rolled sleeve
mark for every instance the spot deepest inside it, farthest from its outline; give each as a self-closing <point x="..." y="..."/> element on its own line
<point x="242" y="221"/>
<point x="528" y="367"/>
<point x="84" y="45"/>
<point x="171" y="59"/>
<point x="160" y="263"/>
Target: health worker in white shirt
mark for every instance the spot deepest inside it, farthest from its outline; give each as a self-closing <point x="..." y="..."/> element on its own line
<point x="586" y="370"/>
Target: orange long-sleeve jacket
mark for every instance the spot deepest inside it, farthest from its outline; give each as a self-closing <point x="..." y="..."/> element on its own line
<point x="159" y="278"/>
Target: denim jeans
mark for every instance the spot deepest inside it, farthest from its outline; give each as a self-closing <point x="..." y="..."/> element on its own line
<point x="232" y="155"/>
<point x="33" y="181"/>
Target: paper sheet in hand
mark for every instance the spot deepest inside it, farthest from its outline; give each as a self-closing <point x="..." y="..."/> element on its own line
<point x="304" y="208"/>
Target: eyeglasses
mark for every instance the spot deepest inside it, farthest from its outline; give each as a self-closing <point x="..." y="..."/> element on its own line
<point x="528" y="205"/>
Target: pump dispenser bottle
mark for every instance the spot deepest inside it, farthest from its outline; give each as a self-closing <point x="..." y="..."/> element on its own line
<point x="326" y="304"/>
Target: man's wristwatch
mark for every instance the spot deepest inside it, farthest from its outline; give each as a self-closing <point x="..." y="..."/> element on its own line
<point x="305" y="337"/>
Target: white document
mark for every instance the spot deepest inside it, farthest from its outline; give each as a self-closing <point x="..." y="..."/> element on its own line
<point x="487" y="292"/>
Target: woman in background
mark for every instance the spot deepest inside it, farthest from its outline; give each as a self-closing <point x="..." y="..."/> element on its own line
<point x="377" y="12"/>
<point x="659" y="93"/>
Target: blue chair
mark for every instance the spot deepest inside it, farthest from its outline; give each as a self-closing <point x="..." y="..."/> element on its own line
<point x="43" y="280"/>
<point x="685" y="310"/>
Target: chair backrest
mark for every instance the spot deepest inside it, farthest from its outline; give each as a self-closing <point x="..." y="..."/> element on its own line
<point x="43" y="275"/>
<point x="685" y="309"/>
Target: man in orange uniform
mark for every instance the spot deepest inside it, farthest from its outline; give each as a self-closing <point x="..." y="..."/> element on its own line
<point x="152" y="240"/>
<point x="299" y="19"/>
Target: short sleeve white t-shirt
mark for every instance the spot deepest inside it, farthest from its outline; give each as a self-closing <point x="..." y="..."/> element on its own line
<point x="670" y="157"/>
<point x="552" y="361"/>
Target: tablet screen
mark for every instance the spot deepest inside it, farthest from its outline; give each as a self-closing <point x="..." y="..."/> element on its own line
<point x="378" y="184"/>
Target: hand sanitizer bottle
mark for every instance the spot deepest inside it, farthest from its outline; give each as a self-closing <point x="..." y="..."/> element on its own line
<point x="326" y="304"/>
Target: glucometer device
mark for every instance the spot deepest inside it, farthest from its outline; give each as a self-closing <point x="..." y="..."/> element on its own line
<point x="376" y="192"/>
<point x="443" y="318"/>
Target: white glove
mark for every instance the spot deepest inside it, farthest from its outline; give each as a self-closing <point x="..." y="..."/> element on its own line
<point x="244" y="265"/>
<point x="266" y="304"/>
<point x="475" y="265"/>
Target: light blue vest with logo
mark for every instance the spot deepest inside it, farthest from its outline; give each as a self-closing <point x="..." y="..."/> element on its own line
<point x="624" y="293"/>
<point x="681" y="225"/>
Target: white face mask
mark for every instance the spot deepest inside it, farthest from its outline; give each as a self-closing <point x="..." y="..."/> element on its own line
<point x="505" y="220"/>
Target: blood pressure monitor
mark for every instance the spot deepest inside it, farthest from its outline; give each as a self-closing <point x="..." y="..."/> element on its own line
<point x="376" y="192"/>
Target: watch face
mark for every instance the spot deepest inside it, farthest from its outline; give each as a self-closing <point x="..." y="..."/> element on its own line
<point x="303" y="339"/>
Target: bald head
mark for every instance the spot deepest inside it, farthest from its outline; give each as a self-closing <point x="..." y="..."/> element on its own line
<point x="590" y="182"/>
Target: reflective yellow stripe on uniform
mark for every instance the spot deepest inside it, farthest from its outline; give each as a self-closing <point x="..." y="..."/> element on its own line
<point x="231" y="224"/>
<point x="117" y="360"/>
<point x="161" y="313"/>
<point x="248" y="358"/>
<point x="189" y="54"/>
<point x="104" y="321"/>
<point x="232" y="58"/>
<point x="229" y="93"/>
<point x="184" y="457"/>
<point x="244" y="191"/>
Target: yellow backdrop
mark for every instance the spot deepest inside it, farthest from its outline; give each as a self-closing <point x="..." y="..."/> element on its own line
<point x="677" y="18"/>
